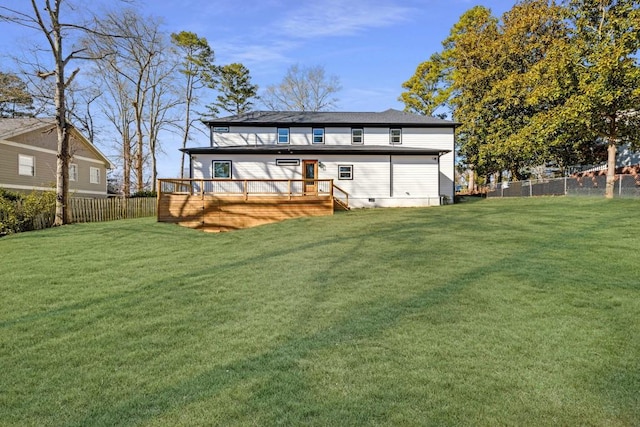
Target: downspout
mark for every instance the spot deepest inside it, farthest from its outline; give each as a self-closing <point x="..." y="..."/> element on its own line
<point x="453" y="184"/>
<point x="439" y="194"/>
<point x="390" y="175"/>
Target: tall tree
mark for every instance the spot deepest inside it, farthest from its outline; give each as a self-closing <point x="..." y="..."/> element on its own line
<point x="162" y="102"/>
<point x="467" y="77"/>
<point x="605" y="43"/>
<point x="198" y="71"/>
<point x="236" y="89"/>
<point x="303" y="89"/>
<point x="425" y="90"/>
<point x="545" y="83"/>
<point x="115" y="104"/>
<point x="134" y="58"/>
<point x="15" y="99"/>
<point x="48" y="18"/>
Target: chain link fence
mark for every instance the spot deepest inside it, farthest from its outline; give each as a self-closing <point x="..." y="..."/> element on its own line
<point x="625" y="186"/>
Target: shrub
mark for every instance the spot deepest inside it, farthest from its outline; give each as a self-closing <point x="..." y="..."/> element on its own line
<point x="24" y="212"/>
<point x="144" y="193"/>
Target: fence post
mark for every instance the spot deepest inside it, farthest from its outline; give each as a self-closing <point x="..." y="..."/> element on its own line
<point x="565" y="185"/>
<point x="620" y="185"/>
<point x="530" y="188"/>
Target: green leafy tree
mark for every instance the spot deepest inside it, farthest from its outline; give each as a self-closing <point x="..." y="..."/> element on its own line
<point x="236" y="90"/>
<point x="198" y="69"/>
<point x="605" y="41"/>
<point x="15" y="99"/>
<point x="425" y="90"/>
<point x="546" y="83"/>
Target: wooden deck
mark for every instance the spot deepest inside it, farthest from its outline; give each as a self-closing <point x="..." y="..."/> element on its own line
<point x="224" y="205"/>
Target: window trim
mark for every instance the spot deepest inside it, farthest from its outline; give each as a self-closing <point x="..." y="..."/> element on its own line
<point x="392" y="136"/>
<point x="72" y="177"/>
<point x="21" y="165"/>
<point x="278" y="135"/>
<point x="313" y="135"/>
<point x="91" y="175"/>
<point x="361" y="136"/>
<point x="350" y="172"/>
<point x="213" y="169"/>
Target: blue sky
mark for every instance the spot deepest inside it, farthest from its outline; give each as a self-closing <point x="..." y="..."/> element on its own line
<point x="373" y="46"/>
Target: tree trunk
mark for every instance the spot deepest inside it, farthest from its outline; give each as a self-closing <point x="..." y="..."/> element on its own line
<point x="139" y="156"/>
<point x="126" y="165"/>
<point x="471" y="182"/>
<point x="611" y="170"/>
<point x="62" y="163"/>
<point x="154" y="170"/>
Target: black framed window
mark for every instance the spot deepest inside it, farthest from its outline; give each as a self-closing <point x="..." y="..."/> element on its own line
<point x="318" y="135"/>
<point x="395" y="136"/>
<point x="345" y="172"/>
<point x="222" y="169"/>
<point x="357" y="136"/>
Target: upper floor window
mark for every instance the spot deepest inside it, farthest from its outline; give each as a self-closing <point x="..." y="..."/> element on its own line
<point x="283" y="135"/>
<point x="73" y="172"/>
<point x="94" y="175"/>
<point x="222" y="169"/>
<point x="318" y="135"/>
<point x="395" y="136"/>
<point x="357" y="136"/>
<point x="26" y="165"/>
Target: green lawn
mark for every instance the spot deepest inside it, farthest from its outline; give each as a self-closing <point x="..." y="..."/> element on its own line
<point x="495" y="312"/>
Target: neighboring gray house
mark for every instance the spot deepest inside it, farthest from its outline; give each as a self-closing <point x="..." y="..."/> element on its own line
<point x="385" y="159"/>
<point x="28" y="155"/>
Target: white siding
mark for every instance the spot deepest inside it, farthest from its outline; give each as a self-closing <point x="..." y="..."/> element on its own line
<point x="415" y="176"/>
<point x="439" y="138"/>
<point x="371" y="183"/>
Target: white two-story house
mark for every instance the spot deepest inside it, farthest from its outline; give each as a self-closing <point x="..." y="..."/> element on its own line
<point x="385" y="159"/>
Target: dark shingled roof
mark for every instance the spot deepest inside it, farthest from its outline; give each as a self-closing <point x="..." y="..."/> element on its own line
<point x="317" y="149"/>
<point x="386" y="118"/>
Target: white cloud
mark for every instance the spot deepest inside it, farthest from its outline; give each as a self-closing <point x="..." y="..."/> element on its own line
<point x="340" y="18"/>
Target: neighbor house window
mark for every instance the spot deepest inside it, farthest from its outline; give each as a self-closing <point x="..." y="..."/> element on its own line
<point x="26" y="165"/>
<point x="283" y="135"/>
<point x="318" y="136"/>
<point x="222" y="169"/>
<point x="345" y="171"/>
<point x="357" y="136"/>
<point x="395" y="136"/>
<point x="73" y="172"/>
<point x="94" y="175"/>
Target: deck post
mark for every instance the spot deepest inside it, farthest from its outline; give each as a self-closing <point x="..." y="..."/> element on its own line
<point x="246" y="190"/>
<point x="289" y="187"/>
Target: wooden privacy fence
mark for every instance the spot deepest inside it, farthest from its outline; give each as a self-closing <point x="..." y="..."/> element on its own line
<point x="97" y="210"/>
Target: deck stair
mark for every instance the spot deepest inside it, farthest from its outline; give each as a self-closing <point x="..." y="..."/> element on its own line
<point x="340" y="199"/>
<point x="339" y="205"/>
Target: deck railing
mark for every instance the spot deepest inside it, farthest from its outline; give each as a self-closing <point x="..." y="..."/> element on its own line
<point x="341" y="195"/>
<point x="249" y="187"/>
